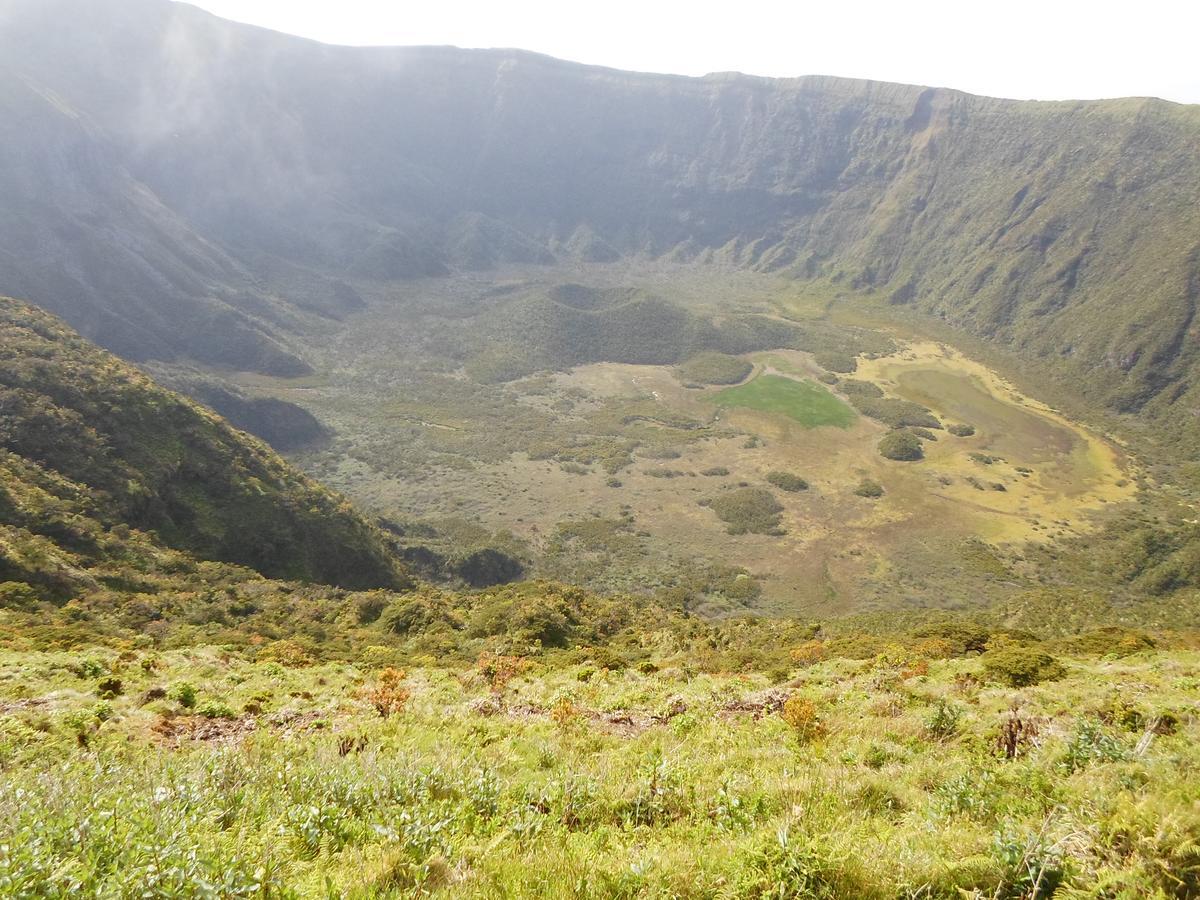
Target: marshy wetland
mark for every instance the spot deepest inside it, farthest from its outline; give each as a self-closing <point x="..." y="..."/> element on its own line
<point x="597" y="449"/>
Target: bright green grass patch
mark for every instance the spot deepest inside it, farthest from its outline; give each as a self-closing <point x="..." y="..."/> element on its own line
<point x="805" y="401"/>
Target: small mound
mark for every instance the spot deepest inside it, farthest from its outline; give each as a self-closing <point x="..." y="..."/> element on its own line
<point x="902" y="446"/>
<point x="748" y="511"/>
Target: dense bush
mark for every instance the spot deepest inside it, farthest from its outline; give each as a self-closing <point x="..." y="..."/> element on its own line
<point x="288" y="653"/>
<point x="1112" y="640"/>
<point x="872" y="490"/>
<point x="499" y="364"/>
<point x="488" y="566"/>
<point x="894" y="412"/>
<point x="901" y="445"/>
<point x="962" y="637"/>
<point x="1021" y="665"/>
<point x="715" y="368"/>
<point x="420" y="613"/>
<point x="961" y="430"/>
<point x="860" y="390"/>
<point x="834" y="361"/>
<point x="748" y="511"/>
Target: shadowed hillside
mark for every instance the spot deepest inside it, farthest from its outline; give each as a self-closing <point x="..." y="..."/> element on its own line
<point x="98" y="465"/>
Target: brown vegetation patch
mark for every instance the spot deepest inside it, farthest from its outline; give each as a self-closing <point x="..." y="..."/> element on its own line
<point x="759" y="704"/>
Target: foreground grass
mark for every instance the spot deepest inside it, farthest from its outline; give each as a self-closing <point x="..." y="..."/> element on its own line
<point x="805" y="402"/>
<point x="880" y="781"/>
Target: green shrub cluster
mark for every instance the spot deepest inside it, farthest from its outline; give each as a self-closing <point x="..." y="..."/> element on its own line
<point x="714" y="368"/>
<point x="1021" y="665"/>
<point x="835" y="361"/>
<point x="787" y="481"/>
<point x="894" y="412"/>
<point x="748" y="510"/>
<point x="872" y="490"/>
<point x="87" y="441"/>
<point x="901" y="445"/>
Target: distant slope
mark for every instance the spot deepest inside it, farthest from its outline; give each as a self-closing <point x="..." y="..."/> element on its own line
<point x="91" y="448"/>
<point x="1068" y="232"/>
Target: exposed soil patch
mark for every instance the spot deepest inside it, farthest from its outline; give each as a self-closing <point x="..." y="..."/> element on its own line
<point x="175" y="730"/>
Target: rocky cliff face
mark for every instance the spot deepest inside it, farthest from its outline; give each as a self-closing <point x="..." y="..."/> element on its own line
<point x="192" y="158"/>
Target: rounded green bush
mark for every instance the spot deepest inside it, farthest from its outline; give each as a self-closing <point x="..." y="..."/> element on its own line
<point x="902" y="446"/>
<point x="871" y="489"/>
<point x="1020" y="665"/>
<point x="787" y="481"/>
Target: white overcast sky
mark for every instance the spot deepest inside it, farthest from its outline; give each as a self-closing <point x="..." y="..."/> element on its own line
<point x="1048" y="49"/>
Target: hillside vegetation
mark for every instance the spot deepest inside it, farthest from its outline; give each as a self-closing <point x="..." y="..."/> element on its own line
<point x="1061" y="231"/>
<point x="540" y="741"/>
<point x="171" y="724"/>
<point x="777" y="488"/>
<point x="99" y="462"/>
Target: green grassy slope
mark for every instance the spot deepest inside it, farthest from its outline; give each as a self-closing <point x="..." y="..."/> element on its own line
<point x="548" y="743"/>
<point x="92" y="448"/>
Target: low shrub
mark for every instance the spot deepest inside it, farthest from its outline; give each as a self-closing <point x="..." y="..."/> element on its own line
<point x="82" y="724"/>
<point x="1092" y="743"/>
<point x="103" y="710"/>
<point x="389" y="696"/>
<point x="808" y="653"/>
<point x="943" y="721"/>
<point x="1017" y="733"/>
<point x="286" y="653"/>
<point x="787" y="481"/>
<point x="802" y="716"/>
<point x="564" y="712"/>
<point x="183" y="693"/>
<point x="872" y="490"/>
<point x="215" y="709"/>
<point x="1031" y="866"/>
<point x="498" y="670"/>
